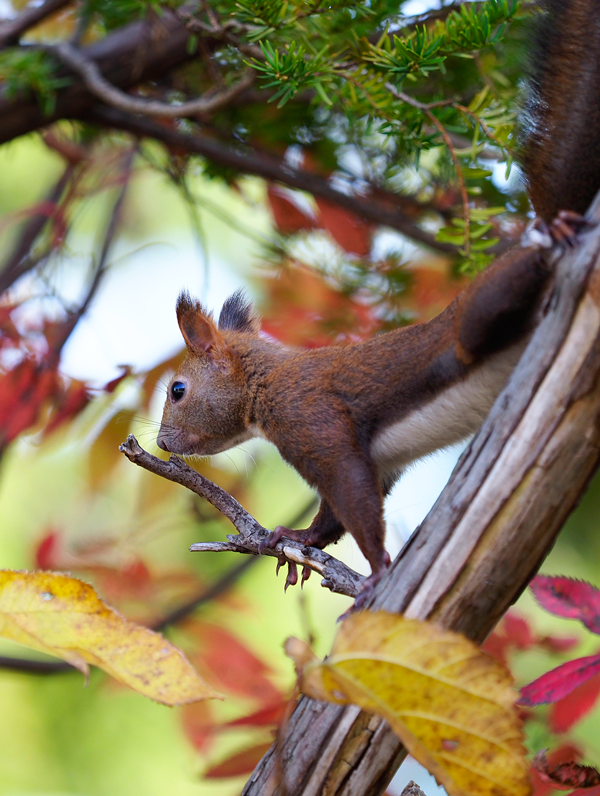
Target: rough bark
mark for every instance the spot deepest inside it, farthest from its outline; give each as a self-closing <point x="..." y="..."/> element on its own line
<point x="485" y="537"/>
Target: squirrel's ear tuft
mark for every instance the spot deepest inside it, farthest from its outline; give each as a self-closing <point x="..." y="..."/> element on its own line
<point x="197" y="326"/>
<point x="238" y="314"/>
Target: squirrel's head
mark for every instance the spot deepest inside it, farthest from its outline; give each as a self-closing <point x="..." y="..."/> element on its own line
<point x="207" y="399"/>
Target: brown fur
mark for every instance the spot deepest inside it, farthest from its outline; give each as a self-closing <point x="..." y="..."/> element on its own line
<point x="324" y="407"/>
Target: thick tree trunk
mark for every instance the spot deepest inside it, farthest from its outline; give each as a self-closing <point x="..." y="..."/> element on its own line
<point x="484" y="538"/>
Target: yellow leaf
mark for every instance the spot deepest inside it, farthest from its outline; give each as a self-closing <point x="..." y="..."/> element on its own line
<point x="450" y="704"/>
<point x="64" y="616"/>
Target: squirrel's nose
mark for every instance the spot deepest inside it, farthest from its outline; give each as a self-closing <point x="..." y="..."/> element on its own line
<point x="161" y="443"/>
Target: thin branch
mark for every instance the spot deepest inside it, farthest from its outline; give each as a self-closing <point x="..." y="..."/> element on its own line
<point x="129" y="56"/>
<point x="109" y="237"/>
<point x="336" y="576"/>
<point x="426" y="108"/>
<point x="12" y="29"/>
<point x="21" y="260"/>
<point x="260" y="164"/>
<point x="102" y="89"/>
<point x="74" y="317"/>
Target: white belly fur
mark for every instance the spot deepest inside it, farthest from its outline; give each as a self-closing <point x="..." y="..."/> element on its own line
<point x="449" y="418"/>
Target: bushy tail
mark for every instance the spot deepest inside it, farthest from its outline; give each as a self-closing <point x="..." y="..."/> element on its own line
<point x="561" y="151"/>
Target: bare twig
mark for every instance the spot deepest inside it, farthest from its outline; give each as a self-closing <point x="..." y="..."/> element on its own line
<point x="111" y="231"/>
<point x="21" y="260"/>
<point x="218" y="587"/>
<point x="250" y="161"/>
<point x="336" y="576"/>
<point x="101" y="88"/>
<point x="12" y="29"/>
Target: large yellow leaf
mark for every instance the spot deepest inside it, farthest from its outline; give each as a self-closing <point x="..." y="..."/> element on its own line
<point x="451" y="705"/>
<point x="64" y="616"/>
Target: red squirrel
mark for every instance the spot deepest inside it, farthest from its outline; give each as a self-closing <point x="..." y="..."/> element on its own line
<point x="351" y="418"/>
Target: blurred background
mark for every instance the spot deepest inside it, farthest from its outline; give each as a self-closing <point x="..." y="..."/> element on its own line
<point x="100" y="229"/>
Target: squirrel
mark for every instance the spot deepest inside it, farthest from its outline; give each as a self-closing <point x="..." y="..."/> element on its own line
<point x="351" y="418"/>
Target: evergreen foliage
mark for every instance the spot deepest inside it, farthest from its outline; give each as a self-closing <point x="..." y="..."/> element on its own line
<point x="415" y="106"/>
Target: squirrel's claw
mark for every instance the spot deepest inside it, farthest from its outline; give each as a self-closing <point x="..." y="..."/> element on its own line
<point x="305" y="575"/>
<point x="292" y="575"/>
<point x="567" y="225"/>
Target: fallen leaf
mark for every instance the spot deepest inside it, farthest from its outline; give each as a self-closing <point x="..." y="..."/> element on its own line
<point x="64" y="616"/>
<point x="565" y="776"/>
<point x="451" y="705"/>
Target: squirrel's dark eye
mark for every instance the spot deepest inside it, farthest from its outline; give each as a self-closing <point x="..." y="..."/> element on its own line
<point x="177" y="390"/>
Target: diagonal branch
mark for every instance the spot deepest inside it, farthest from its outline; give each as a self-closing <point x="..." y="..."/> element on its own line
<point x="336" y="575"/>
<point x="21" y="259"/>
<point x="249" y="161"/>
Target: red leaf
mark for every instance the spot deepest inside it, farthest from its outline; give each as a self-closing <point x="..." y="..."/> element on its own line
<point x="570" y="598"/>
<point x="565" y="776"/>
<point x="559" y="643"/>
<point x="234" y="665"/>
<point x="45" y="555"/>
<point x="239" y="764"/>
<point x="497" y="645"/>
<point x="112" y="385"/>
<point x="518" y="631"/>
<point x="513" y="632"/>
<point x="264" y="717"/>
<point x="288" y="216"/>
<point x="559" y="682"/>
<point x="352" y="233"/>
<point x="73" y="401"/>
<point x="568" y="711"/>
<point x="23" y="392"/>
<point x="562" y="754"/>
<point x="199" y="724"/>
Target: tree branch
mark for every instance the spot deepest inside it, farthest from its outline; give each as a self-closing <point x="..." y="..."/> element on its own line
<point x="133" y="54"/>
<point x="248" y="161"/>
<point x="486" y="535"/>
<point x="106" y="92"/>
<point x="19" y="262"/>
<point x="336" y="575"/>
<point x="12" y="29"/>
